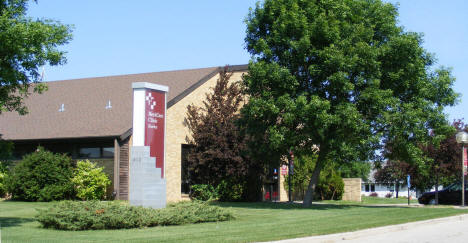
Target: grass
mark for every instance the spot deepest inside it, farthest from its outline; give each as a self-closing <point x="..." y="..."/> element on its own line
<point x="373" y="200"/>
<point x="255" y="222"/>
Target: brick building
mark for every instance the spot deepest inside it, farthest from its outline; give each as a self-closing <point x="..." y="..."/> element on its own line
<point x="91" y="118"/>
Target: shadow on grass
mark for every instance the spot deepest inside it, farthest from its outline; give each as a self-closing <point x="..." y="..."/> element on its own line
<point x="278" y="205"/>
<point x="298" y="206"/>
<point x="11" y="222"/>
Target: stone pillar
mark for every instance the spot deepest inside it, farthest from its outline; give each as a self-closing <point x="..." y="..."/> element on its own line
<point x="147" y="186"/>
<point x="352" y="189"/>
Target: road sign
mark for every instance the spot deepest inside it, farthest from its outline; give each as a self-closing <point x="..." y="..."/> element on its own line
<point x="408" y="180"/>
<point x="284" y="170"/>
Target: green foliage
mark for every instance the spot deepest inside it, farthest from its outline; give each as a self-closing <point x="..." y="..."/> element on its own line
<point x="303" y="167"/>
<point x="355" y="169"/>
<point x="6" y="149"/>
<point x="203" y="192"/>
<point x="96" y="215"/>
<point x="217" y="144"/>
<point x="193" y="212"/>
<point x="42" y="176"/>
<point x="90" y="183"/>
<point x="25" y="46"/>
<point x="3" y="175"/>
<point x="341" y="75"/>
<point x="330" y="185"/>
<point x="230" y="191"/>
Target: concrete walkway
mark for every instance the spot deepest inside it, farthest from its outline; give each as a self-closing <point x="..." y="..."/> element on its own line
<point x="450" y="229"/>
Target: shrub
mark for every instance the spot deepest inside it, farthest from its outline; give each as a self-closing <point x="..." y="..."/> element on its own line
<point x="229" y="191"/>
<point x="84" y="215"/>
<point x="389" y="195"/>
<point x="374" y="194"/>
<point x="42" y="176"/>
<point x="89" y="181"/>
<point x="203" y="192"/>
<point x="330" y="185"/>
<point x="3" y="175"/>
<point x="190" y="212"/>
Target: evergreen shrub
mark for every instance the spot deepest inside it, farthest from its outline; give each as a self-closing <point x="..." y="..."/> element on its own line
<point x="330" y="186"/>
<point x="97" y="215"/>
<point x="42" y="176"/>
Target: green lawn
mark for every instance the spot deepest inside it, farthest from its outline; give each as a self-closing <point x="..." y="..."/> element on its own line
<point x="255" y="222"/>
<point x="374" y="200"/>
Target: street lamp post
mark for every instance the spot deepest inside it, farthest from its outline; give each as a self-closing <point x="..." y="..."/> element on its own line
<point x="462" y="137"/>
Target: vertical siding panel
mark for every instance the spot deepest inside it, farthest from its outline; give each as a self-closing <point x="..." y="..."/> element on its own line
<point x="123" y="170"/>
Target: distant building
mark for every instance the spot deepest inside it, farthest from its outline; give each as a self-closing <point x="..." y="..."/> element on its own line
<point x="372" y="188"/>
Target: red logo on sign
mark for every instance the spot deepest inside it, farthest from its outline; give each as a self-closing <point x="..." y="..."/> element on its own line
<point x="155" y="103"/>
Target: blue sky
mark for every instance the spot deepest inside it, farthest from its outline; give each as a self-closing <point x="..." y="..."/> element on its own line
<point x="124" y="37"/>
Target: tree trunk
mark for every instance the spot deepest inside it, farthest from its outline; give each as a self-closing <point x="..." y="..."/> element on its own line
<point x="314" y="179"/>
<point x="397" y="188"/>
<point x="437" y="189"/>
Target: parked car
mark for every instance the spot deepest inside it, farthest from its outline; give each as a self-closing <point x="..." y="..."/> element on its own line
<point x="449" y="195"/>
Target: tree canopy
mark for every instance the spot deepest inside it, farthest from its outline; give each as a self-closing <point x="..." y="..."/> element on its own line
<point x="25" y="46"/>
<point x="341" y="75"/>
<point x="442" y="164"/>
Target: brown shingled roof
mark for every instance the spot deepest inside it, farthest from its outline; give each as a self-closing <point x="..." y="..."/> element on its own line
<point x="85" y="100"/>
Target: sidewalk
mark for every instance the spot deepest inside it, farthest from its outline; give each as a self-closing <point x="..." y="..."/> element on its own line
<point x="449" y="229"/>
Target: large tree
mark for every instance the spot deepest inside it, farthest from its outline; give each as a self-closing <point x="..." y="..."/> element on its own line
<point x="26" y="45"/>
<point x="341" y="75"/>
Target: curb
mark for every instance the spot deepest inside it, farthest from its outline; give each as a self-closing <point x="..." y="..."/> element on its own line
<point x="365" y="232"/>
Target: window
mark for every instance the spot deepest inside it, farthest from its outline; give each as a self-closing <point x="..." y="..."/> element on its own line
<point x="367" y="187"/>
<point x="185" y="175"/>
<point x="372" y="188"/>
<point x="74" y="148"/>
<point x="89" y="153"/>
<point x="96" y="152"/>
<point x="108" y="152"/>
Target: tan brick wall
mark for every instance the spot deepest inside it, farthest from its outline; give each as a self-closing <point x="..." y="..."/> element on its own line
<point x="352" y="189"/>
<point x="177" y="134"/>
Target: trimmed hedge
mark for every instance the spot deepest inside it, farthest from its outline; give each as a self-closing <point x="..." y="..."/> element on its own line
<point x="97" y="215"/>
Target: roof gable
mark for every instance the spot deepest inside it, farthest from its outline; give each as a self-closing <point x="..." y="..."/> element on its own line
<point x="84" y="105"/>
